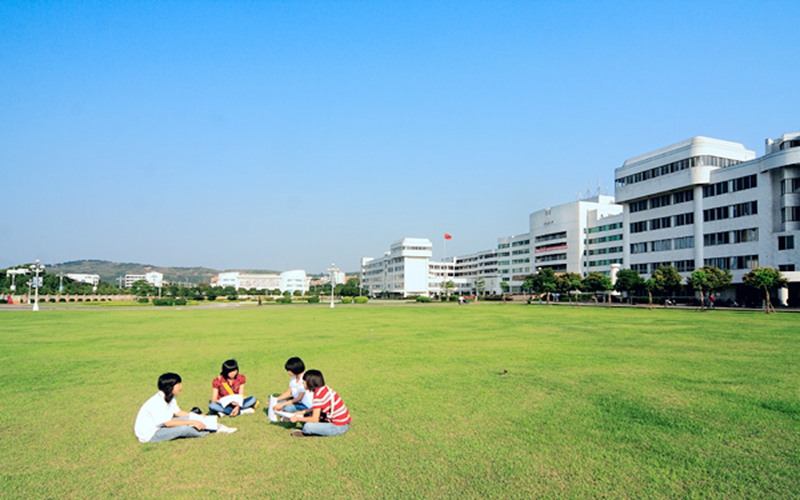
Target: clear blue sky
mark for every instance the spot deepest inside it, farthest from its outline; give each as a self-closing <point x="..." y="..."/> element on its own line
<point x="286" y="135"/>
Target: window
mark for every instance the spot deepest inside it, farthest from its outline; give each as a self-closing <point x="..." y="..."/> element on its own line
<point x="660" y="201"/>
<point x="661" y="245"/>
<point x="745" y="235"/>
<point x="713" y="214"/>
<point x="639" y="268"/>
<point x="684" y="242"/>
<point x="660" y="223"/>
<point x="786" y="267"/>
<point x="684" y="219"/>
<point x="790" y="186"/>
<point x="716" y="239"/>
<point x="785" y="242"/>
<point x="715" y="189"/>
<point x="790" y="214"/>
<point x="747" y="182"/>
<point x="744" y="209"/>
<point x="683" y="196"/>
<point x="638" y="247"/>
<point x="638" y="227"/>
<point x="552" y="236"/>
<point x="684" y="266"/>
<point x="638" y="206"/>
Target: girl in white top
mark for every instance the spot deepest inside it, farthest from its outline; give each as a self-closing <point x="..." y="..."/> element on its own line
<point x="160" y="418"/>
<point x="296" y="397"/>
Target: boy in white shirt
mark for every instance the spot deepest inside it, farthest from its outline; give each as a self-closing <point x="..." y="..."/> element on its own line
<point x="296" y="397"/>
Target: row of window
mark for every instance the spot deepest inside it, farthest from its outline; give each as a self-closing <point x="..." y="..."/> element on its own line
<point x="663" y="245"/>
<point x="682" y="266"/>
<point x="603" y="251"/>
<point x="521" y="243"/>
<point x="550" y="258"/>
<point x="733" y="263"/>
<point x="607" y="227"/>
<point x="676" y="166"/>
<point x="730" y="211"/>
<point x="662" y="201"/>
<point x="607" y="262"/>
<point x="604" y="239"/>
<point x="521" y="252"/>
<point x="662" y="222"/>
<point x="520" y="261"/>
<point x="790" y="214"/>
<point x="790" y="186"/>
<point x="727" y="237"/>
<point x="738" y="184"/>
<point x="552" y="236"/>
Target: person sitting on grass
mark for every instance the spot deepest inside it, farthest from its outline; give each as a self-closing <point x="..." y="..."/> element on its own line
<point x="160" y="419"/>
<point x="227" y="393"/>
<point x="296" y="398"/>
<point x="328" y="415"/>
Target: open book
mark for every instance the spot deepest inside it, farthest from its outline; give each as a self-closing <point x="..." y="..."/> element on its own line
<point x="274" y="414"/>
<point x="210" y="421"/>
<point x="233" y="398"/>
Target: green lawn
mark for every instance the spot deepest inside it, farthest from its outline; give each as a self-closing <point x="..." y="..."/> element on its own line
<point x="596" y="402"/>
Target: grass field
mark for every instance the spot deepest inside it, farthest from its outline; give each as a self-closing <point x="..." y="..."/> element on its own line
<point x="596" y="402"/>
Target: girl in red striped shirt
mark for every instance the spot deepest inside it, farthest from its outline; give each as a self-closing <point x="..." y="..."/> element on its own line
<point x="328" y="416"/>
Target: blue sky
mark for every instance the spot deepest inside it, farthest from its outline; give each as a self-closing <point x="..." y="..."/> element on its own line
<point x="290" y="135"/>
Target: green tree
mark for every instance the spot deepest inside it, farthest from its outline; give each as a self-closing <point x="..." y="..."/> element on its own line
<point x="566" y="283"/>
<point x="480" y="286"/>
<point x="505" y="287"/>
<point x="544" y="282"/>
<point x="667" y="280"/>
<point x="708" y="279"/>
<point x="141" y="288"/>
<point x="628" y="281"/>
<point x="449" y="286"/>
<point x="765" y="278"/>
<point x="596" y="282"/>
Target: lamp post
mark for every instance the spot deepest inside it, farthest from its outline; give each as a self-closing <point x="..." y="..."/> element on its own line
<point x="36" y="268"/>
<point x="333" y="272"/>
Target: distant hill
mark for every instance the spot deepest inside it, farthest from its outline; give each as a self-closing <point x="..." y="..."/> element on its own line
<point x="110" y="271"/>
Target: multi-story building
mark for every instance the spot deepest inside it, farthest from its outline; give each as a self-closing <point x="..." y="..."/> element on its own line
<point x="402" y="271"/>
<point x="154" y="278"/>
<point x="91" y="279"/>
<point x="290" y="281"/>
<point x="711" y="202"/>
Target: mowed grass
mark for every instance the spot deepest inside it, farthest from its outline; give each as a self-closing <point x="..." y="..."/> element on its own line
<point x="596" y="402"/>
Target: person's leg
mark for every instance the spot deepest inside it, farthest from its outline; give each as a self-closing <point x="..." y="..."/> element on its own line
<point x="181" y="431"/>
<point x="292" y="408"/>
<point x="324" y="429"/>
<point x="249" y="402"/>
<point x="218" y="408"/>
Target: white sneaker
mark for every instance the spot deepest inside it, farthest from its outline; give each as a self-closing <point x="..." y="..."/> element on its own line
<point x="224" y="429"/>
<point x="247" y="411"/>
<point x="221" y="415"/>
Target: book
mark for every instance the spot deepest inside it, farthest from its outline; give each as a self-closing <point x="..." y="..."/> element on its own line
<point x="271" y="410"/>
<point x="233" y="398"/>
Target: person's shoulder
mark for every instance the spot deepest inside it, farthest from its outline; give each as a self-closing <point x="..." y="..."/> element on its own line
<point x="241" y="378"/>
<point x="217" y="382"/>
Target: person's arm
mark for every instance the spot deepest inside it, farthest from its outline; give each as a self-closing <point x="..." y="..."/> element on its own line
<point x="175" y="422"/>
<point x="241" y="392"/>
<point x="215" y="395"/>
<point x="303" y="416"/>
<point x="286" y="395"/>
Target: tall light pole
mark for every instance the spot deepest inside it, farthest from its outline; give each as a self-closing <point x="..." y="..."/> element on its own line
<point x="36" y="268"/>
<point x="333" y="272"/>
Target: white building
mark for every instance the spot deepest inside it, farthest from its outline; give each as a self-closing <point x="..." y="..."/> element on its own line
<point x="402" y="271"/>
<point x="711" y="202"/>
<point x="91" y="279"/>
<point x="290" y="281"/>
<point x="154" y="278"/>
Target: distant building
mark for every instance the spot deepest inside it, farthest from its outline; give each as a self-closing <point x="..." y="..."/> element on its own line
<point x="290" y="281"/>
<point x="92" y="279"/>
<point x="154" y="278"/>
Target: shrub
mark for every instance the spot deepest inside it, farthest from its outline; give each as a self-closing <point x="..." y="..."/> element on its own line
<point x="62" y="299"/>
<point x="52" y="299"/>
<point x="180" y="302"/>
<point x="313" y="300"/>
<point x="347" y="300"/>
<point x="163" y="302"/>
<point x="424" y="299"/>
<point x="453" y="298"/>
<point x="284" y="300"/>
<point x="233" y="297"/>
<point x="361" y="300"/>
<point x="143" y="300"/>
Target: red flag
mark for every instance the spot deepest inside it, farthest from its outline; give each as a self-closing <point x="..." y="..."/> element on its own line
<point x="447" y="236"/>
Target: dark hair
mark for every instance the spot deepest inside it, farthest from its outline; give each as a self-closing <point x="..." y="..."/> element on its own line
<point x="314" y="380"/>
<point x="229" y="366"/>
<point x="166" y="383"/>
<point x="295" y="365"/>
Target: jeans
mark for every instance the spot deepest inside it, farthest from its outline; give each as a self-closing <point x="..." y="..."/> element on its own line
<point x="324" y="429"/>
<point x="181" y="431"/>
<point x="248" y="402"/>
<point x="291" y="408"/>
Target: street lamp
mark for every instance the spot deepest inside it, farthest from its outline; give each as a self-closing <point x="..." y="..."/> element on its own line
<point x="333" y="272"/>
<point x="36" y="268"/>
